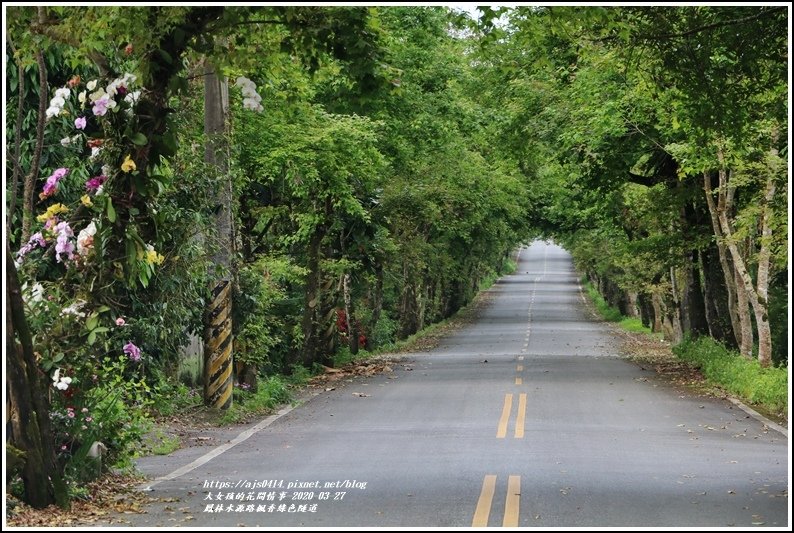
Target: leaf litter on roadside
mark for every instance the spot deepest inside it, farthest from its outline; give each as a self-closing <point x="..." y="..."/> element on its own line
<point x="112" y="493"/>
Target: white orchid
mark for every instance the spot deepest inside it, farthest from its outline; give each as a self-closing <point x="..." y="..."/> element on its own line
<point x="60" y="383"/>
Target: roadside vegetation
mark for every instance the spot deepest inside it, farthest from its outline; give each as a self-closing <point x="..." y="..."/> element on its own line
<point x="740" y="376"/>
<point x="727" y="370"/>
<point x="277" y="190"/>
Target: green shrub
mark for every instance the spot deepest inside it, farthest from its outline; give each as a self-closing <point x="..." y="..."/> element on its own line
<point x="343" y="356"/>
<point x="385" y="331"/>
<point x="300" y="375"/>
<point x="270" y="393"/>
<point x="263" y="312"/>
<point x="113" y="412"/>
<point x="744" y="377"/>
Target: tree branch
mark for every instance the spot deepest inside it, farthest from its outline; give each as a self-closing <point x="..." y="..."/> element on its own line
<point x="648" y="181"/>
<point x="715" y="25"/>
<point x="30" y="179"/>
<point x="47" y="28"/>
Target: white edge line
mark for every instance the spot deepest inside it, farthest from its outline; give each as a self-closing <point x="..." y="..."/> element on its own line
<point x="207" y="457"/>
<point x="758" y="416"/>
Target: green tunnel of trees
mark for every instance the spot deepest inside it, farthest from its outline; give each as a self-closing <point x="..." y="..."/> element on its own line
<point x="357" y="172"/>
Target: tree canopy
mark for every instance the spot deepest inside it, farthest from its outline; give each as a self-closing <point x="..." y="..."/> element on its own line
<point x="381" y="164"/>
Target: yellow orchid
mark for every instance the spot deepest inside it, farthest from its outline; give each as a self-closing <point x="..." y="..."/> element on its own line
<point x="53" y="210"/>
<point x="128" y="165"/>
<point x="152" y="257"/>
<point x="86" y="200"/>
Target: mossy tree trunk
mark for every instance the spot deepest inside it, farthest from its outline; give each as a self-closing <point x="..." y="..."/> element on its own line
<point x="29" y="409"/>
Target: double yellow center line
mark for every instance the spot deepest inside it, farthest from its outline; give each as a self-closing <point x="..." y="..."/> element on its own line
<point x="483" y="510"/>
<point x="501" y="430"/>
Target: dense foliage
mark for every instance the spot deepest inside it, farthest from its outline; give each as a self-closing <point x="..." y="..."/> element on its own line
<point x="380" y="163"/>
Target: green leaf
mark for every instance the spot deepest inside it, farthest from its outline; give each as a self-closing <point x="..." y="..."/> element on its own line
<point x="143" y="276"/>
<point x="91" y="338"/>
<point x="168" y="144"/>
<point x="58" y="358"/>
<point x="139" y="139"/>
<point x="165" y="56"/>
<point x="92" y="322"/>
<point x="111" y="211"/>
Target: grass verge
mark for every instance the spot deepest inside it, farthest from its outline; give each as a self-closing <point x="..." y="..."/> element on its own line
<point x="159" y="442"/>
<point x="765" y="387"/>
<point x="612" y="314"/>
<point x="270" y="393"/>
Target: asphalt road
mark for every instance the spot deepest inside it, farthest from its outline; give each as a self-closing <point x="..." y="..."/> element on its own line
<point x="525" y="418"/>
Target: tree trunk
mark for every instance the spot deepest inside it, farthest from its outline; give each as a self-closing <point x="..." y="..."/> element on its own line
<point x="672" y="305"/>
<point x="29" y="187"/>
<point x="29" y="410"/>
<point x="745" y="321"/>
<point x="658" y="315"/>
<point x="646" y="310"/>
<point x="326" y="326"/>
<point x="724" y="256"/>
<point x="352" y="329"/>
<point x="632" y="304"/>
<point x="693" y="307"/>
<point x="724" y="232"/>
<point x="377" y="306"/>
<point x="312" y="299"/>
<point x="761" y="302"/>
<point x="420" y="306"/>
<point x="716" y="297"/>
<point x="757" y="295"/>
<point x="408" y="300"/>
<point x="218" y="378"/>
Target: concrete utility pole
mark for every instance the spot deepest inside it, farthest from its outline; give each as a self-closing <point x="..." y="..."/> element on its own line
<point x="218" y="314"/>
